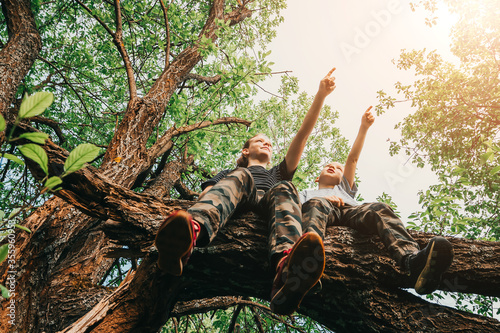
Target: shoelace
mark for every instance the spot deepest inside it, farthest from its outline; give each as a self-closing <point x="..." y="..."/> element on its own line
<point x="282" y="260"/>
<point x="196" y="230"/>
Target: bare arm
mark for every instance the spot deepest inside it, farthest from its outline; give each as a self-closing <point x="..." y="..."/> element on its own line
<point x="352" y="159"/>
<point x="292" y="158"/>
<point x="205" y="191"/>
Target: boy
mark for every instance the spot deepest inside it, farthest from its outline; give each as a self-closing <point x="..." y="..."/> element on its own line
<point x="334" y="204"/>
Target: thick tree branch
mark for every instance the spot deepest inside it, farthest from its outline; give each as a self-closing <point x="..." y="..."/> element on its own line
<point x="216" y="12"/>
<point x="52" y="124"/>
<point x="206" y="79"/>
<point x="167" y="31"/>
<point x="360" y="286"/>
<point x="161" y="146"/>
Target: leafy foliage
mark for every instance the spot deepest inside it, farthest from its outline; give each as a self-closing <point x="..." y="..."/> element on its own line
<point x="31" y="106"/>
<point x="455" y="129"/>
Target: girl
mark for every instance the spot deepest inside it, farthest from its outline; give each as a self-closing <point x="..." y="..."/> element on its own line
<point x="271" y="194"/>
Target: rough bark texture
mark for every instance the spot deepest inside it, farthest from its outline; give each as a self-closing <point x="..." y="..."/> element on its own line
<point x="18" y="55"/>
<point x="361" y="286"/>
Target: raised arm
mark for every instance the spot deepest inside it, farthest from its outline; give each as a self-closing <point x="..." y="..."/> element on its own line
<point x="326" y="86"/>
<point x="352" y="159"/>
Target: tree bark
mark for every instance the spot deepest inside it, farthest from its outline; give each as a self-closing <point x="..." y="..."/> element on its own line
<point x="361" y="285"/>
<point x="18" y="55"/>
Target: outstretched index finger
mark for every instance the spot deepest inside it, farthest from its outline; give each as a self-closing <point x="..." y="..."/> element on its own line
<point x="368" y="110"/>
<point x="330" y="72"/>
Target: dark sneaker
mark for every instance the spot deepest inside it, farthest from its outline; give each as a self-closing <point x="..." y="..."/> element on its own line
<point x="429" y="264"/>
<point x="297" y="273"/>
<point x="175" y="241"/>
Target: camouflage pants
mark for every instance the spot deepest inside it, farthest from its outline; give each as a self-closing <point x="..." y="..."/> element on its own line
<point x="236" y="192"/>
<point x="370" y="218"/>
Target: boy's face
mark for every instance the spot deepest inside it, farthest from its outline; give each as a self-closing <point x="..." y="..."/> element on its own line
<point x="331" y="174"/>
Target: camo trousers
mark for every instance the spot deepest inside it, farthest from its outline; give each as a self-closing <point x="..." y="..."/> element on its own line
<point x="370" y="218"/>
<point x="236" y="192"/>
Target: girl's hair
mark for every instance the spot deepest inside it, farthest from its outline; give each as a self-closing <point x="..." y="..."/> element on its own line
<point x="242" y="161"/>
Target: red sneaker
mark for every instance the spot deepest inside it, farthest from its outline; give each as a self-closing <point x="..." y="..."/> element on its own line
<point x="297" y="272"/>
<point x="175" y="241"/>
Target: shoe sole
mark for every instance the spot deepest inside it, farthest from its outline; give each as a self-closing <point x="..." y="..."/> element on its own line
<point x="174" y="241"/>
<point x="304" y="271"/>
<point x="438" y="261"/>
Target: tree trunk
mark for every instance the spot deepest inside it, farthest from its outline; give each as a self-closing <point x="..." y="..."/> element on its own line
<point x="18" y="55"/>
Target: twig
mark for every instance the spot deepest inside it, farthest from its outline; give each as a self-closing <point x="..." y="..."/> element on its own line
<point x="67" y="82"/>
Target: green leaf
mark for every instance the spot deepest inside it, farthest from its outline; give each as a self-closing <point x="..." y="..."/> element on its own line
<point x="79" y="156"/>
<point x="5" y="291"/>
<point x="22" y="227"/>
<point x="495" y="170"/>
<point x="52" y="182"/>
<point x="35" y="137"/>
<point x="37" y="154"/>
<point x="487" y="157"/>
<point x="13" y="158"/>
<point x="4" y="250"/>
<point x="14" y="212"/>
<point x="35" y="104"/>
<point x="2" y="123"/>
<point x="2" y="214"/>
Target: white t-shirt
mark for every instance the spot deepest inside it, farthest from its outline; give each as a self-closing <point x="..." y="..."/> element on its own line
<point x="343" y="190"/>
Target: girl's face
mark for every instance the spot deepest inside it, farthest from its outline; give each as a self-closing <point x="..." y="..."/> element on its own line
<point x="260" y="148"/>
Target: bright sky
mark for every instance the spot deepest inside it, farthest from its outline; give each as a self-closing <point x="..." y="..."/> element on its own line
<point x="360" y="39"/>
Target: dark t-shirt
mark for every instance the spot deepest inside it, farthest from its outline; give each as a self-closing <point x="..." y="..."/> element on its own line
<point x="264" y="179"/>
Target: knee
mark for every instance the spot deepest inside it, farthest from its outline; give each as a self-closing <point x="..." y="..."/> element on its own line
<point x="242" y="174"/>
<point x="380" y="207"/>
<point x="286" y="187"/>
<point x="317" y="202"/>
